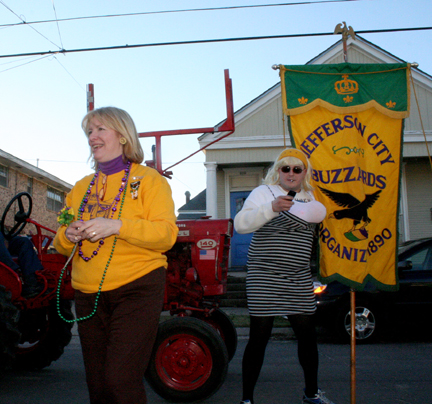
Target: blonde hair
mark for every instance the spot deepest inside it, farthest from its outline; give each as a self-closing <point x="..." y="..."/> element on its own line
<point x="120" y="121"/>
<point x="272" y="177"/>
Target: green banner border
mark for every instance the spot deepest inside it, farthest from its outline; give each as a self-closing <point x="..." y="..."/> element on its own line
<point x="310" y="92"/>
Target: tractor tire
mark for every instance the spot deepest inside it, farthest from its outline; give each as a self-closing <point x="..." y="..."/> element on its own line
<point x="189" y="361"/>
<point x="44" y="336"/>
<point x="9" y="333"/>
<point x="225" y="327"/>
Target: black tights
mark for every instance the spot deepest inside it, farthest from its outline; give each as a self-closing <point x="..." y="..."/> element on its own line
<point x="259" y="335"/>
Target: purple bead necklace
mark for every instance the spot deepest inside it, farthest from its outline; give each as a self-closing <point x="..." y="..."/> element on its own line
<point x="113" y="206"/>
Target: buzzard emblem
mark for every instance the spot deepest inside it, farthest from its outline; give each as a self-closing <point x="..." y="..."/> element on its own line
<point x="354" y="210"/>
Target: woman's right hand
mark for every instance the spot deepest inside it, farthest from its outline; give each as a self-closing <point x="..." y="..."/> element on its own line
<point x="72" y="233"/>
<point x="282" y="203"/>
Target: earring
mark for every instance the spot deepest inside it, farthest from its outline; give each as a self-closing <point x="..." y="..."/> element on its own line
<point x="123" y="140"/>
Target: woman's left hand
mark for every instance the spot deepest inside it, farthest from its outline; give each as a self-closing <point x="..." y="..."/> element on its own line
<point x="95" y="229"/>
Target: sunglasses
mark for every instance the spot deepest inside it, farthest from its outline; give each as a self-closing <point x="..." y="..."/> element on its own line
<point x="287" y="169"/>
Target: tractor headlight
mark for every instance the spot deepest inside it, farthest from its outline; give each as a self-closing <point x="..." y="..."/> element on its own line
<point x="191" y="275"/>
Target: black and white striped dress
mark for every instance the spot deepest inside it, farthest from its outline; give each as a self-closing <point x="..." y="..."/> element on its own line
<point x="279" y="281"/>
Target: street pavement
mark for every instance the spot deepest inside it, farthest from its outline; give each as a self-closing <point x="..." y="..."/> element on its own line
<point x="396" y="369"/>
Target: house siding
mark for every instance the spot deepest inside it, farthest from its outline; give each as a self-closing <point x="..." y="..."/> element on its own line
<point x="265" y="121"/>
<point x="421" y="96"/>
<point x="260" y="155"/>
<point x="418" y="173"/>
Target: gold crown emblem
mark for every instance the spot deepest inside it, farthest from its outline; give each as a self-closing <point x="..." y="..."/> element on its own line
<point x="346" y="86"/>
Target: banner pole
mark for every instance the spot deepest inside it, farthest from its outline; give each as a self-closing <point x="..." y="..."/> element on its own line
<point x="353" y="346"/>
<point x="346" y="32"/>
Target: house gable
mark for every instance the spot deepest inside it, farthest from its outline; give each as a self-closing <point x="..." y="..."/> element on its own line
<point x="193" y="209"/>
<point x="240" y="160"/>
<point x="260" y="124"/>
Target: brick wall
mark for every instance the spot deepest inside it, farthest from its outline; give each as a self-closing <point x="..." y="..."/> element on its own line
<point x="18" y="182"/>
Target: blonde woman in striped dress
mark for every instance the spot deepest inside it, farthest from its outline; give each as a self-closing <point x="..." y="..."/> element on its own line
<point x="282" y="214"/>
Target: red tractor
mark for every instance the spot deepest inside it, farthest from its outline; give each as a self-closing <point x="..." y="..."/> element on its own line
<point x="32" y="335"/>
<point x="193" y="348"/>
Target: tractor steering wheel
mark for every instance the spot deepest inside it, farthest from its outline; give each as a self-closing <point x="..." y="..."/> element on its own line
<point x="20" y="217"/>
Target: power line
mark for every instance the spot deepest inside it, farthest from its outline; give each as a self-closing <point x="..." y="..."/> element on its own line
<point x="15" y="61"/>
<point x="13" y="12"/>
<point x="23" y="64"/>
<point x="176" y="11"/>
<point x="58" y="27"/>
<point x="201" y="41"/>
<point x="67" y="71"/>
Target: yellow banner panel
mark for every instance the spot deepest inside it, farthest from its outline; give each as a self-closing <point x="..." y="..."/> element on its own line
<point x="356" y="172"/>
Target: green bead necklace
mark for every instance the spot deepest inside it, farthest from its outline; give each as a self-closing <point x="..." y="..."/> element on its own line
<point x="106" y="266"/>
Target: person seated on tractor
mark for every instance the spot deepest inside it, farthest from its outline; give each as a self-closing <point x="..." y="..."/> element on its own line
<point x="28" y="262"/>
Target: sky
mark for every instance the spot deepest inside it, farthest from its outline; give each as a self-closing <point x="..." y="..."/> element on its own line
<point x="43" y="97"/>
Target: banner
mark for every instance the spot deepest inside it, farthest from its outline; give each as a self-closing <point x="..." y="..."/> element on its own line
<point x="348" y="119"/>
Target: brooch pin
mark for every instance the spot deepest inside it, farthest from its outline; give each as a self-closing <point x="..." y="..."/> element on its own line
<point x="134" y="189"/>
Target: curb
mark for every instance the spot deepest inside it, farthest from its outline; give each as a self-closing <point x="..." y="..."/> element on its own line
<point x="285" y="333"/>
<point x="242" y="332"/>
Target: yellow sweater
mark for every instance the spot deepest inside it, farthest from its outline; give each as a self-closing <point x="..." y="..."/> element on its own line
<point x="148" y="230"/>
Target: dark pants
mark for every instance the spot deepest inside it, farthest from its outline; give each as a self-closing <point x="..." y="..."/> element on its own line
<point x="117" y="341"/>
<point x="28" y="262"/>
<point x="259" y="335"/>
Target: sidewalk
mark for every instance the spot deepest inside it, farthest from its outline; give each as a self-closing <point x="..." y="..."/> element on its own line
<point x="240" y="317"/>
<point x="281" y="329"/>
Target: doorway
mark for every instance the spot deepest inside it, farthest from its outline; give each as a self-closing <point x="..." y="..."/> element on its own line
<point x="239" y="242"/>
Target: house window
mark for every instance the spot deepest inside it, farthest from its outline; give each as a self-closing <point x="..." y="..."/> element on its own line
<point x="30" y="185"/>
<point x="4" y="175"/>
<point x="55" y="199"/>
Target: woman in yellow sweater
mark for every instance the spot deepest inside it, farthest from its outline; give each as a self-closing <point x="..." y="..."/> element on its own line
<point x="124" y="223"/>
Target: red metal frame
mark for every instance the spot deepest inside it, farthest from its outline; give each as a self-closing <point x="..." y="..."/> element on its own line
<point x="227" y="126"/>
<point x="90" y="97"/>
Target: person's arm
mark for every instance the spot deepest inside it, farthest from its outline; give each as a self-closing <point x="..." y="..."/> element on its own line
<point x="256" y="212"/>
<point x="312" y="211"/>
<point x="151" y="224"/>
<point x="157" y="230"/>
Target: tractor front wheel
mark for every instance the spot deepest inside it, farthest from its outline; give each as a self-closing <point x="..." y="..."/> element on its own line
<point x="220" y="321"/>
<point x="9" y="333"/>
<point x="189" y="360"/>
<point x="44" y="336"/>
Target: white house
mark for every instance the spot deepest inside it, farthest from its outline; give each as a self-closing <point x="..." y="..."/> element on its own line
<point x="237" y="164"/>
